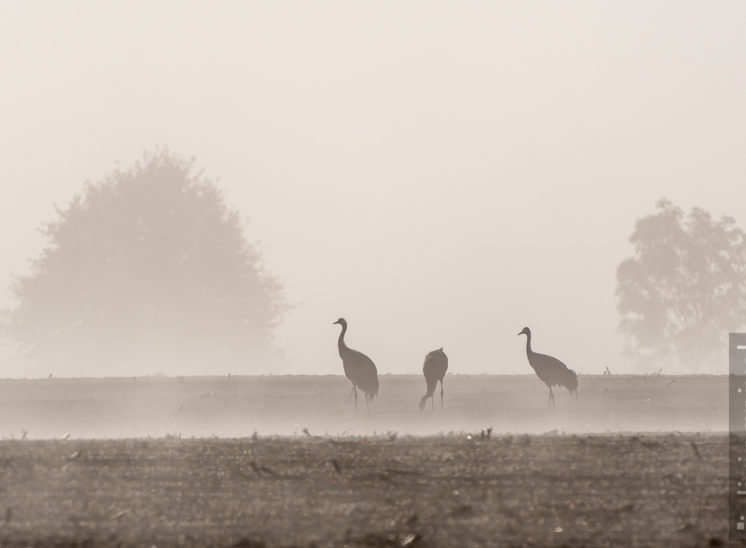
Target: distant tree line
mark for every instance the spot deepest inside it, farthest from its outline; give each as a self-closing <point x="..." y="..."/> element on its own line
<point x="149" y="266"/>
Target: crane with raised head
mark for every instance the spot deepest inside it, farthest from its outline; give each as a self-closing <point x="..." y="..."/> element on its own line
<point x="358" y="367"/>
<point x="550" y="370"/>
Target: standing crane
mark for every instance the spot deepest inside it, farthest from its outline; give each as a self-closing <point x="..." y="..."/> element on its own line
<point x="434" y="369"/>
<point x="550" y="370"/>
<point x="358" y="367"/>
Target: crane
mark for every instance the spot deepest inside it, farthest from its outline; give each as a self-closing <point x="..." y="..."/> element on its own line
<point x="550" y="370"/>
<point x="358" y="367"/>
<point x="434" y="369"/>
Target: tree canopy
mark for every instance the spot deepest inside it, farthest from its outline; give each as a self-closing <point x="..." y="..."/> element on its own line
<point x="148" y="269"/>
<point x="684" y="289"/>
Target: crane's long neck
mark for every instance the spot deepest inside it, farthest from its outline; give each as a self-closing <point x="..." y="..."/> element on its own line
<point x="528" y="344"/>
<point x="343" y="349"/>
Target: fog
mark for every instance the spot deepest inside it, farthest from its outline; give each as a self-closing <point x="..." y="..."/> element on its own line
<point x="440" y="174"/>
<point x="322" y="405"/>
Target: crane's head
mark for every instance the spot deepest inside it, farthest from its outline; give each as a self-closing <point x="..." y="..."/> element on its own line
<point x="341" y="321"/>
<point x="525" y="331"/>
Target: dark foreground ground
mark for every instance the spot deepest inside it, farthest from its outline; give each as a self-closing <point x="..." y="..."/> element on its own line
<point x="519" y="490"/>
<point x="240" y="406"/>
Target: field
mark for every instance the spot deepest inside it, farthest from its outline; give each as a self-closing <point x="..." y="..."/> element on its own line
<point x="583" y="474"/>
<point x="663" y="490"/>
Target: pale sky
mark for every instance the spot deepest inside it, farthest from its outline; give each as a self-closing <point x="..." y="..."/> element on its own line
<point x="439" y="173"/>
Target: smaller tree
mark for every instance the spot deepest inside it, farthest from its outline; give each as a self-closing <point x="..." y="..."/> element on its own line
<point x="684" y="289"/>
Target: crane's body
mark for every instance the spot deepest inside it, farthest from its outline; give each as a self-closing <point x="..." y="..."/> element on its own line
<point x="358" y="367"/>
<point x="550" y="370"/>
<point x="434" y="369"/>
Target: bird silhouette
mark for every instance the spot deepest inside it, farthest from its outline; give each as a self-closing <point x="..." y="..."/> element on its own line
<point x="434" y="369"/>
<point x="550" y="370"/>
<point x="358" y="367"/>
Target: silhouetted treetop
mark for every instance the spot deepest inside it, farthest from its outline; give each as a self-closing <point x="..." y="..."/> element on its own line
<point x="147" y="266"/>
<point x="685" y="287"/>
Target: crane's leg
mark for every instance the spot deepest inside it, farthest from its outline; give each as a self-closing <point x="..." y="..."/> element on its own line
<point x="354" y="391"/>
<point x="441" y="395"/>
<point x="367" y="406"/>
<point x="551" y="398"/>
<point x="432" y="402"/>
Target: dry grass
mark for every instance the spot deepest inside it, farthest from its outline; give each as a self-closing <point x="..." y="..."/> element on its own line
<point x="662" y="490"/>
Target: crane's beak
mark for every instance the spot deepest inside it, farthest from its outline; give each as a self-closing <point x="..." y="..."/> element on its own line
<point x="335" y="322"/>
<point x="521" y="333"/>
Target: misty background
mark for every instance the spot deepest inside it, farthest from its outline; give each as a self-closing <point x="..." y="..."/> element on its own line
<point x="439" y="174"/>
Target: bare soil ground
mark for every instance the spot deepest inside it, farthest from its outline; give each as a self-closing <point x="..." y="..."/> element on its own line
<point x="519" y="490"/>
<point x="285" y="405"/>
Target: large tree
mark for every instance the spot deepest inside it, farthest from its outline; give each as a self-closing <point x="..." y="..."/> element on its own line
<point x="147" y="268"/>
<point x="684" y="289"/>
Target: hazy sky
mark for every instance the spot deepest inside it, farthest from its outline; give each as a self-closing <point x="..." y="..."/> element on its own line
<point x="439" y="173"/>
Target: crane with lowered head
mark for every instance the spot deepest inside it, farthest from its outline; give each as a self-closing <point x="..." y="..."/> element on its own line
<point x="434" y="369"/>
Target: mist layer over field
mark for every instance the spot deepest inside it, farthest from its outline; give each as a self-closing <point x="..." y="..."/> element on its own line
<point x="323" y="405"/>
